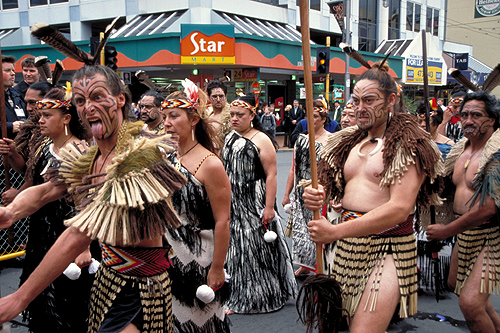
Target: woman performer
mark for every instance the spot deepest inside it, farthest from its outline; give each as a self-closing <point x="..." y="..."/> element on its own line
<point x="304" y="250"/>
<point x="261" y="272"/>
<point x="203" y="206"/>
<point x="436" y="118"/>
<point x="63" y="305"/>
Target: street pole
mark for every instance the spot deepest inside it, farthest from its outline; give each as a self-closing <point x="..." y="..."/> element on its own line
<point x="327" y="90"/>
<point x="347" y="11"/>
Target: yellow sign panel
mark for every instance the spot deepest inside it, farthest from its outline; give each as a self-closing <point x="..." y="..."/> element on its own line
<point x="207" y="60"/>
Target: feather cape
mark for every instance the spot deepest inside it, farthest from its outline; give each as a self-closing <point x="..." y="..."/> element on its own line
<point x="132" y="203"/>
<point x="405" y="145"/>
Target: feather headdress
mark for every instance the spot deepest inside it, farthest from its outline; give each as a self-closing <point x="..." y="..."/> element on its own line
<point x="58" y="41"/>
<point x="354" y="54"/>
<point x="489" y="84"/>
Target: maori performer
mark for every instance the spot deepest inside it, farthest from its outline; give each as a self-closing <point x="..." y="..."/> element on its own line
<point x="379" y="170"/>
<point x="473" y="165"/>
<point x="122" y="189"/>
<point x="304" y="250"/>
<point x="199" y="245"/>
<point x="261" y="272"/>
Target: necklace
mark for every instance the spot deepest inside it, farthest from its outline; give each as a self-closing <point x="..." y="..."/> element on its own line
<point x="105" y="159"/>
<point x="189" y="150"/>
<point x="466" y="165"/>
<point x="374" y="151"/>
<point x="319" y="136"/>
<point x="248" y="130"/>
<point x="64" y="143"/>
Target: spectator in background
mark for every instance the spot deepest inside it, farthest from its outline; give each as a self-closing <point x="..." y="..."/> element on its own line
<point x="440" y="102"/>
<point x="30" y="76"/>
<point x="451" y="125"/>
<point x="348" y="118"/>
<point x="337" y="111"/>
<point x="268" y="121"/>
<point x="295" y="115"/>
<point x="15" y="108"/>
<point x="286" y="125"/>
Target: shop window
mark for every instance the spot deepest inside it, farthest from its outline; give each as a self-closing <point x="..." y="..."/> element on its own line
<point x="367" y="25"/>
<point x="270" y="2"/>
<point x="394" y="10"/>
<point x="413" y="16"/>
<point x="9" y="4"/>
<point x="432" y="21"/>
<point x="34" y="3"/>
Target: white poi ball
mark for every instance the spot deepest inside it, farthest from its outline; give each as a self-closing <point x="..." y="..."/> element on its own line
<point x="94" y="266"/>
<point x="270" y="236"/>
<point x="205" y="294"/>
<point x="72" y="271"/>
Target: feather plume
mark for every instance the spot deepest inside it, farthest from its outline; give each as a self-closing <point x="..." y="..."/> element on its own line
<point x="387" y="56"/>
<point x="455" y="73"/>
<point x="42" y="64"/>
<point x="492" y="80"/>
<point x="101" y="45"/>
<point x="354" y="54"/>
<point x="58" y="70"/>
<point x="143" y="78"/>
<point x="56" y="40"/>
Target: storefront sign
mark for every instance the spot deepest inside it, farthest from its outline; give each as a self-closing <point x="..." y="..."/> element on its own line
<point x="246" y="74"/>
<point x="415" y="71"/>
<point x="207" y="44"/>
<point x="487" y="8"/>
<point x="461" y="61"/>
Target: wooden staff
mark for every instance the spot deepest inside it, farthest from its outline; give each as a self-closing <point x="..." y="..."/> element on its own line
<point x="3" y="120"/>
<point x="319" y="302"/>
<point x="432" y="209"/>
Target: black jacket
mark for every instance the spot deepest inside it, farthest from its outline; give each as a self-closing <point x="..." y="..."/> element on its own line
<point x="13" y="101"/>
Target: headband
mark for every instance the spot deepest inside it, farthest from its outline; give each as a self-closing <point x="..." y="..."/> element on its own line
<point x="243" y="104"/>
<point x="178" y="103"/>
<point x="349" y="106"/>
<point x="53" y="105"/>
<point x="422" y="115"/>
<point x="457" y="100"/>
<point x="320" y="109"/>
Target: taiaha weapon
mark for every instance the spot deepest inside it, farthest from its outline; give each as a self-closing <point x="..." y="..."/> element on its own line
<point x="319" y="296"/>
<point x="3" y="120"/>
<point x="432" y="209"/>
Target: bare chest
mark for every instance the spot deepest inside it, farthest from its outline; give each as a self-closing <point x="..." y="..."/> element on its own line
<point x="360" y="165"/>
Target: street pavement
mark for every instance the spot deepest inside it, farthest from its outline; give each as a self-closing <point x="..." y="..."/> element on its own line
<point x="443" y="316"/>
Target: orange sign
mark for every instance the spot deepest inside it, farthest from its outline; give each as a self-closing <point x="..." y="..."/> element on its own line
<point x="202" y="45"/>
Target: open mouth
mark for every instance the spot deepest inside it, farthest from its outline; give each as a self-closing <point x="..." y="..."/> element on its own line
<point x="95" y="127"/>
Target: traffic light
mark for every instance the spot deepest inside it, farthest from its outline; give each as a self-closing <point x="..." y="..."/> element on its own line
<point x="110" y="57"/>
<point x="323" y="60"/>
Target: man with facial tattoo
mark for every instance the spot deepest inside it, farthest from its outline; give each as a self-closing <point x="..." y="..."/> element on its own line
<point x="121" y="188"/>
<point x="150" y="111"/>
<point x="473" y="166"/>
<point x="378" y="170"/>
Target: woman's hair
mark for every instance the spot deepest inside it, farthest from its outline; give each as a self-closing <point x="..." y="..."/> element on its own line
<point x="324" y="115"/>
<point x="114" y="83"/>
<point x="250" y="99"/>
<point x="75" y="124"/>
<point x="42" y="87"/>
<point x="436" y="119"/>
<point x="205" y="133"/>
<point x="381" y="75"/>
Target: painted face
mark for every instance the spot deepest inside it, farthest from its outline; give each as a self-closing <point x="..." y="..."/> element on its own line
<point x="218" y="98"/>
<point x="52" y="122"/>
<point x="348" y="118"/>
<point x="30" y="74"/>
<point x="369" y="105"/>
<point x="475" y="120"/>
<point x="149" y="112"/>
<point x="9" y="74"/>
<point x="99" y="110"/>
<point x="177" y="123"/>
<point x="241" y="118"/>
<point x="32" y="97"/>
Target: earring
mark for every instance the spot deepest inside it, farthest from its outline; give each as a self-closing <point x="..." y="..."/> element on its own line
<point x="192" y="133"/>
<point x="66" y="129"/>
